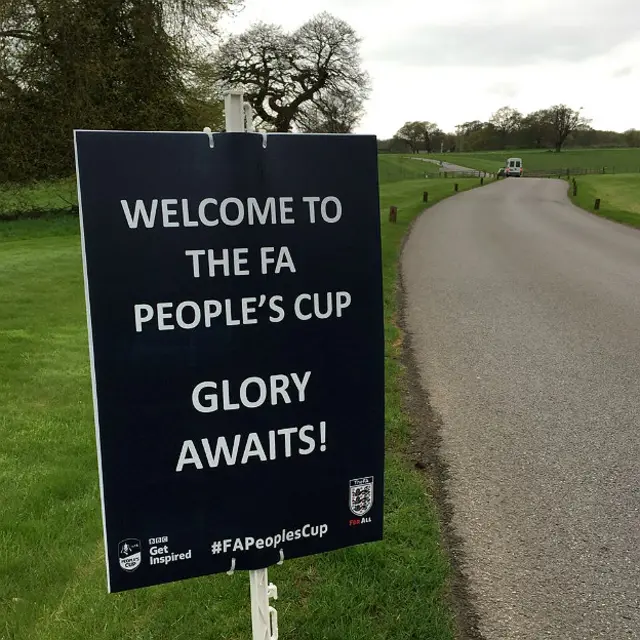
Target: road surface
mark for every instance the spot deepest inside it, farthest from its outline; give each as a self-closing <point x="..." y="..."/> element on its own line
<point x="451" y="168"/>
<point x="524" y="316"/>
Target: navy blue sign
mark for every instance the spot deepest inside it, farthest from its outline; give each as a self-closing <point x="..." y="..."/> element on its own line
<point x="234" y="297"/>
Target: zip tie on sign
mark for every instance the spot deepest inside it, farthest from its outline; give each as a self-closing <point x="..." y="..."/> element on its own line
<point x="207" y="130"/>
<point x="264" y="137"/>
<point x="281" y="557"/>
<point x="233" y="567"/>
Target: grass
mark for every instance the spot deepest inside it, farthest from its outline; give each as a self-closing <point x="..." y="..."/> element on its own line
<point x="52" y="576"/>
<point x="397" y="168"/>
<point x="619" y="196"/>
<point x="40" y="196"/>
<point x="615" y="160"/>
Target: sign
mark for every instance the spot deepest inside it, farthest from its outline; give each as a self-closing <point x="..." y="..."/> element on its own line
<point x="234" y="300"/>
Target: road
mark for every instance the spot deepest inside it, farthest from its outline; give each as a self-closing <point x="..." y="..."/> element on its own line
<point x="448" y="167"/>
<point x="524" y="318"/>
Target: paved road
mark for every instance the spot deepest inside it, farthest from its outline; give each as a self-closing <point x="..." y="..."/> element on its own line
<point x="447" y="166"/>
<point x="525" y="319"/>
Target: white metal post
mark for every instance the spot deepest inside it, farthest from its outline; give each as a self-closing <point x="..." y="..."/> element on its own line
<point x="264" y="618"/>
<point x="234" y="114"/>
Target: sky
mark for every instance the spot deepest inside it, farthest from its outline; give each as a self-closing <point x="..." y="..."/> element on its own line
<point x="454" y="61"/>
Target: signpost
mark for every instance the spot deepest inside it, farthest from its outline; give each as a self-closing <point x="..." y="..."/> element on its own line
<point x="234" y="302"/>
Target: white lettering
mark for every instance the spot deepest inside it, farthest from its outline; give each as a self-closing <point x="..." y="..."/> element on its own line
<point x="182" y="323"/>
<point x="308" y="440"/>
<point x="338" y="209"/>
<point x="285" y="260"/>
<point x="139" y="317"/>
<point x="168" y="211"/>
<point x="254" y="448"/>
<point x="285" y="208"/>
<point x="222" y="448"/>
<point x="140" y="210"/>
<point x="262" y="217"/>
<point x="311" y="201"/>
<point x="188" y="455"/>
<point x="266" y="260"/>
<point x="239" y="214"/>
<point x="195" y="254"/>
<point x="201" y="212"/>
<point x="186" y="221"/>
<point x="211" y="398"/>
<point x="162" y="315"/>
<point x="287" y="439"/>
<point x="274" y="306"/>
<point x="301" y="384"/>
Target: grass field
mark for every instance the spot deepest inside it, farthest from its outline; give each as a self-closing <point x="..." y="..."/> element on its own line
<point x="62" y="194"/>
<point x="619" y="196"/>
<point x="614" y="160"/>
<point x="52" y="576"/>
<point x="397" y="168"/>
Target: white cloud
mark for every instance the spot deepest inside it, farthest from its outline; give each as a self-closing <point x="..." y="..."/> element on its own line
<point x="459" y="61"/>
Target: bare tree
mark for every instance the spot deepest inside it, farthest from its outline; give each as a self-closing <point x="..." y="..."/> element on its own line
<point x="332" y="112"/>
<point x="282" y="73"/>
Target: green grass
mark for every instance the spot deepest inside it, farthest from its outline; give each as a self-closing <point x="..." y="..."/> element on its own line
<point x="397" y="168"/>
<point x="619" y="196"/>
<point x="615" y="160"/>
<point x="40" y="196"/>
<point x="52" y="575"/>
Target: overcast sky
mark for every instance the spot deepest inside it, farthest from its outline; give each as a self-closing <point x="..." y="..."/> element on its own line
<point x="454" y="61"/>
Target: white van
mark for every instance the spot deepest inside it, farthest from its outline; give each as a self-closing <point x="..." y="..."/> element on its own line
<point x="513" y="167"/>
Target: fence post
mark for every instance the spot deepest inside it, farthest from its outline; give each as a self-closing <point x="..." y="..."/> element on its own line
<point x="481" y="180"/>
<point x="425" y="196"/>
<point x="393" y="214"/>
<point x="575" y="187"/>
<point x="455" y="186"/>
<point x="596" y="206"/>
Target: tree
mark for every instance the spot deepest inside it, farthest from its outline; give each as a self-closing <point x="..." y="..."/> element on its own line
<point x="535" y="129"/>
<point x="507" y="122"/>
<point x="429" y="132"/>
<point x="117" y="64"/>
<point x="330" y="113"/>
<point x="412" y="133"/>
<point x="420" y="134"/>
<point x="632" y="137"/>
<point x="506" y="119"/>
<point x="563" y="121"/>
<point x="283" y="73"/>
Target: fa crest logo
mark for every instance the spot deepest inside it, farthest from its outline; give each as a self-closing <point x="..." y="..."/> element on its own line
<point x="361" y="495"/>
<point x="129" y="554"/>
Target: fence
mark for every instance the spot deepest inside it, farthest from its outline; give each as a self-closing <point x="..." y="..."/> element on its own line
<point x="578" y="171"/>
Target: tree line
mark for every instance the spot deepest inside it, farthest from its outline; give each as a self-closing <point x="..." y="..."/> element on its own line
<point x="161" y="65"/>
<point x="556" y="127"/>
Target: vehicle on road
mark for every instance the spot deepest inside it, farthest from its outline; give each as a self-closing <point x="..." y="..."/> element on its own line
<point x="514" y="167"/>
